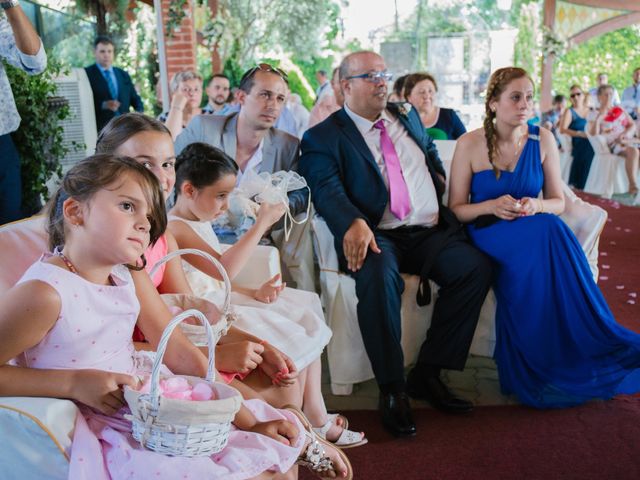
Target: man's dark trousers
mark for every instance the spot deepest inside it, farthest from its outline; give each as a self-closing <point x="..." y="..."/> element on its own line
<point x="464" y="276"/>
<point x="10" y="183"/>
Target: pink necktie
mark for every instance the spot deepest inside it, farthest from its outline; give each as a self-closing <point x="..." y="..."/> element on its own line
<point x="398" y="193"/>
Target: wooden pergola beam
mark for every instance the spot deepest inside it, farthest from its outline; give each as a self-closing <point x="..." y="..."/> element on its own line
<point x="547" y="63"/>
<point x="609" y="4"/>
<point x="605" y="26"/>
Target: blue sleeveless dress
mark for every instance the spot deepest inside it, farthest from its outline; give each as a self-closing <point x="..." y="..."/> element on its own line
<point x="557" y="343"/>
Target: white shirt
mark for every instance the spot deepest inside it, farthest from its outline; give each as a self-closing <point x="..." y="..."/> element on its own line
<point x="631" y="98"/>
<point x="253" y="164"/>
<point x="32" y="64"/>
<point x="422" y="192"/>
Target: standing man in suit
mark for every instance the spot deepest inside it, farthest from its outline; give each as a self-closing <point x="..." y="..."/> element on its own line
<point x="249" y="136"/>
<point x="113" y="90"/>
<point x="377" y="180"/>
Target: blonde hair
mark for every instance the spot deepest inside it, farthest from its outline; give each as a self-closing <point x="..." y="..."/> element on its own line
<point x="497" y="85"/>
<point x="183" y="76"/>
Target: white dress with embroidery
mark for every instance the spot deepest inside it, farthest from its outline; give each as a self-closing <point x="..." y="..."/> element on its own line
<point x="294" y="323"/>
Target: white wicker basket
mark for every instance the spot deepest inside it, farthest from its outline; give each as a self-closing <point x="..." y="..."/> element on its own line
<point x="181" y="427"/>
<point x="197" y="333"/>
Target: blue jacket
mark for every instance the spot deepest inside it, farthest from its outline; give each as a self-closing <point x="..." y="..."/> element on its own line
<point x="127" y="95"/>
<point x="344" y="178"/>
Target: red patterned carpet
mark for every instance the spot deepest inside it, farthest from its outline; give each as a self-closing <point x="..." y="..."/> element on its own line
<point x="600" y="440"/>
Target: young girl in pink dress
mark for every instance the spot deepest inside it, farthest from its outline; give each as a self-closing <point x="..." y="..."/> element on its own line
<point x="257" y="364"/>
<point x="68" y="323"/>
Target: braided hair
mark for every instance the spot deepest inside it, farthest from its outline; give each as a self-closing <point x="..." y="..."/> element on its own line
<point x="497" y="85"/>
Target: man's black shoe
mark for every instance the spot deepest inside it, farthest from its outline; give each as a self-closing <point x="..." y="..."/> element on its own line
<point x="434" y="391"/>
<point x="396" y="414"/>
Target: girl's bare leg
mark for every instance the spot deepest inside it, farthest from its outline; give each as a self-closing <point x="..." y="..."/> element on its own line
<point x="274" y="395"/>
<point x="313" y="402"/>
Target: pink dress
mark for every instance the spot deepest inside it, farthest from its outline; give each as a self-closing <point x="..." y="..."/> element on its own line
<point x="153" y="254"/>
<point x="94" y="331"/>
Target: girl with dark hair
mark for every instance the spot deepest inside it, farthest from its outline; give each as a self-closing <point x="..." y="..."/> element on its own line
<point x="557" y="343"/>
<point x="68" y="324"/>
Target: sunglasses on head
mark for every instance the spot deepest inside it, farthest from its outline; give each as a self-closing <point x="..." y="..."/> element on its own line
<point x="264" y="67"/>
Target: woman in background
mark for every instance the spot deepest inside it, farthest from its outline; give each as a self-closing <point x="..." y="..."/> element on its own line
<point x="420" y="89"/>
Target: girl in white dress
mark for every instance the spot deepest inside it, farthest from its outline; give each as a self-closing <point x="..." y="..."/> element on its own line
<point x="290" y="319"/>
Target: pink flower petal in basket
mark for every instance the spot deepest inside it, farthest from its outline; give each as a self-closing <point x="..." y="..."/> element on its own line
<point x="620" y="287"/>
<point x="627" y="230"/>
<point x="612" y="242"/>
<point x="618" y="228"/>
<point x="633" y="294"/>
<point x="602" y="277"/>
<point x="604" y="254"/>
<point x="605" y="267"/>
<point x="631" y="302"/>
<point x="202" y="392"/>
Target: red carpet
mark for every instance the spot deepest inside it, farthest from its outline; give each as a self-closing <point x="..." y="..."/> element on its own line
<point x="600" y="440"/>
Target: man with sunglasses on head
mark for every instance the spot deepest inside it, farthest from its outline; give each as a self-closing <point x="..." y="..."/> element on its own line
<point x="377" y="180"/>
<point x="248" y="135"/>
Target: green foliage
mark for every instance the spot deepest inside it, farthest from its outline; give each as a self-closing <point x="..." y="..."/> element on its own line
<point x="233" y="70"/>
<point x="296" y="86"/>
<point x="137" y="54"/>
<point x="246" y="29"/>
<point x="310" y="66"/>
<point x="616" y="53"/>
<point x="39" y="139"/>
<point x="527" y="48"/>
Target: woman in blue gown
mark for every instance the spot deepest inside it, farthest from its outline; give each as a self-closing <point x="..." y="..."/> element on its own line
<point x="557" y="343"/>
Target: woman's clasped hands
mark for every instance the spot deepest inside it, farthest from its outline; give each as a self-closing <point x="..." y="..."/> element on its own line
<point x="508" y="208"/>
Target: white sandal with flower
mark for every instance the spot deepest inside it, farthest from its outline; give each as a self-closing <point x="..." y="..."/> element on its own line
<point x="314" y="456"/>
<point x="347" y="438"/>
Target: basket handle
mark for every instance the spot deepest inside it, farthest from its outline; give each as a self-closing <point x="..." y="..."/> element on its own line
<point x="212" y="259"/>
<point x="162" y="346"/>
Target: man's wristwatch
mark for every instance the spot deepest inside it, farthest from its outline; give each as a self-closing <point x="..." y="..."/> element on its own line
<point x="9" y="4"/>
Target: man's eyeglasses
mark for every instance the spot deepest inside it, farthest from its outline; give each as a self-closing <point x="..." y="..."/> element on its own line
<point x="263" y="67"/>
<point x="577" y="94"/>
<point x="373" y="77"/>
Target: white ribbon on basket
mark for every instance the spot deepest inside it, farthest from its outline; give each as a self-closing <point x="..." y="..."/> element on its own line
<point x="268" y="187"/>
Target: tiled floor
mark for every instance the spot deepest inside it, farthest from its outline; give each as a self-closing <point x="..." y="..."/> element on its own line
<point x="478" y="383"/>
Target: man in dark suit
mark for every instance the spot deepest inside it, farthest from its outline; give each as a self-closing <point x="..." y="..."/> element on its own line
<point x="377" y="180"/>
<point x="113" y="90"/>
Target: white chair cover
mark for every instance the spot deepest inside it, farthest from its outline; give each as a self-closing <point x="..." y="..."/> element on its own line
<point x="607" y="175"/>
<point x="566" y="157"/>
